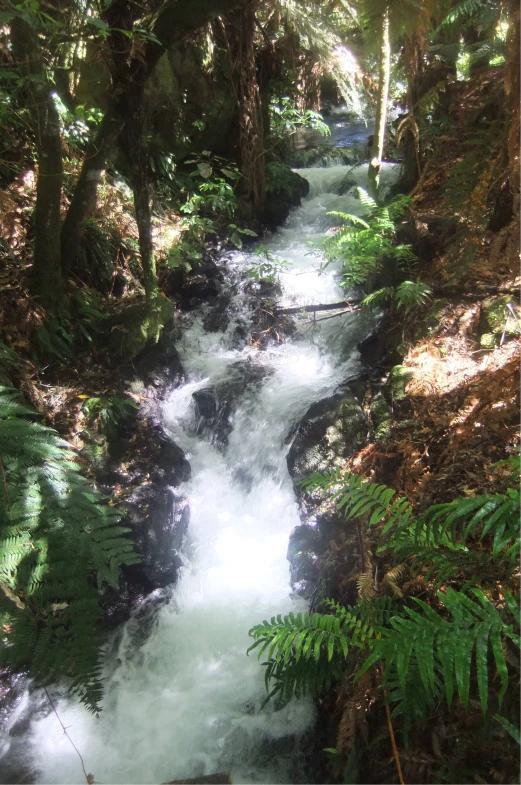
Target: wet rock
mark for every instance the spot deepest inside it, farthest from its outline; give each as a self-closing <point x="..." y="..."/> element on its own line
<point x="287" y="189"/>
<point x="306" y="543"/>
<point x="12" y="687"/>
<point x="159" y="523"/>
<point x="159" y="363"/>
<point x="215" y="406"/>
<point x="172" y="465"/>
<point x="217" y="319"/>
<point x="328" y="434"/>
<point x="198" y="288"/>
<point x="205" y="403"/>
<point x="372" y="348"/>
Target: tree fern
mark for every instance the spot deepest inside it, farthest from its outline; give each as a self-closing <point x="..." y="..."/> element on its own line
<point x="56" y="535"/>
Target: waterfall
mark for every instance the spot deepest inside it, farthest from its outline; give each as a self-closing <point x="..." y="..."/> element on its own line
<point x="185" y="701"/>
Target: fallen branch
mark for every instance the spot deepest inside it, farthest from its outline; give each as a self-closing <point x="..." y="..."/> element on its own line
<point x="319" y="307"/>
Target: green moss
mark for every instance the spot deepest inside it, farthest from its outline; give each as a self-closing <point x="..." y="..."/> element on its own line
<point x="381" y="417"/>
<point x="499" y="316"/>
<point x="397" y="381"/>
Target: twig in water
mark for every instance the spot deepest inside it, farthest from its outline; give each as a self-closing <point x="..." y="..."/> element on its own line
<point x="88" y="777"/>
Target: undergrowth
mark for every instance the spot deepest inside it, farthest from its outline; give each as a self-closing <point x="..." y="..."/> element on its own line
<point x="440" y="628"/>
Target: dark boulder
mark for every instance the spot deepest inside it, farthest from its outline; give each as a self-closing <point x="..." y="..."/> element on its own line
<point x="159" y="364"/>
<point x="330" y="431"/>
<point x="306" y="543"/>
<point x="205" y="404"/>
<point x="160" y="523"/>
<point x="286" y="190"/>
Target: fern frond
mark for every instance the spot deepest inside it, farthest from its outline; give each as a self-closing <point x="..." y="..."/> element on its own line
<point x="56" y="533"/>
<point x="365" y="585"/>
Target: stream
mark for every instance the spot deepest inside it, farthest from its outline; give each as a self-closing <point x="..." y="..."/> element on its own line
<point x="182" y="698"/>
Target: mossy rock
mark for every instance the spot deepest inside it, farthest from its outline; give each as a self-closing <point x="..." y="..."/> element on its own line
<point x="398" y="379"/>
<point x="381" y="417"/>
<point x="499" y="316"/>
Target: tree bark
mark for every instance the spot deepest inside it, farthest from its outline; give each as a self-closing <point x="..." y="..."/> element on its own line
<point x="512" y="90"/>
<point x="381" y="107"/>
<point x="414" y="50"/>
<point x="46" y="278"/>
<point x="240" y="28"/>
<point x="134" y="142"/>
<point x="83" y="200"/>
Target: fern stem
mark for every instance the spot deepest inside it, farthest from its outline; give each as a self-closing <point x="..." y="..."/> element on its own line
<point x="393" y="742"/>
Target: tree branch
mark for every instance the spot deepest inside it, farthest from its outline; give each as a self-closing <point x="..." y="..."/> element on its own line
<point x="319" y="307"/>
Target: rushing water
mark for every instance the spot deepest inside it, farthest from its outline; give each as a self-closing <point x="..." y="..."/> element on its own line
<point x="186" y="700"/>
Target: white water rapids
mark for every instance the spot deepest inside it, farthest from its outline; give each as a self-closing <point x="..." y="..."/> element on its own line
<point x="186" y="701"/>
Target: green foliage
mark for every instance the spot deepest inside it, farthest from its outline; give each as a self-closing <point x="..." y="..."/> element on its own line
<point x="267" y="267"/>
<point x="210" y="206"/>
<point x="454" y="643"/>
<point x="279" y="179"/>
<point x="286" y="119"/>
<point x="364" y="245"/>
<point x="407" y="296"/>
<point x="59" y="543"/>
<point x="106" y="413"/>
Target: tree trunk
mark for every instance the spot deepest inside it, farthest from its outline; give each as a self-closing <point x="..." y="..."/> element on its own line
<point x="46" y="278"/>
<point x="84" y="197"/>
<point x="414" y="50"/>
<point x="240" y="28"/>
<point x="512" y="89"/>
<point x="176" y="20"/>
<point x="381" y="107"/>
<point x="136" y="149"/>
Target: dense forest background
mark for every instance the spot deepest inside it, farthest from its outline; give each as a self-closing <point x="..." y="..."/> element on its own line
<point x="140" y="139"/>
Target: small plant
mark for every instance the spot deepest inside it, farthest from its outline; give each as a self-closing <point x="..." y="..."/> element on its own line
<point x="105" y="413"/>
<point x="407" y="296"/>
<point x="208" y="210"/>
<point x="364" y="245"/>
<point x="268" y="267"/>
<point x="286" y="119"/>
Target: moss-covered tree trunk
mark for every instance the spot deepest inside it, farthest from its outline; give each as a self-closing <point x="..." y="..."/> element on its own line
<point x="137" y="154"/>
<point x="46" y="277"/>
<point x="414" y="50"/>
<point x="375" y="164"/>
<point x="84" y="197"/>
<point x="240" y="29"/>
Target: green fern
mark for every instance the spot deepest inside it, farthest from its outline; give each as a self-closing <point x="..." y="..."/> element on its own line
<point x="56" y="535"/>
<point x="363" y="245"/>
<point x="426" y="652"/>
<point x="447" y="648"/>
